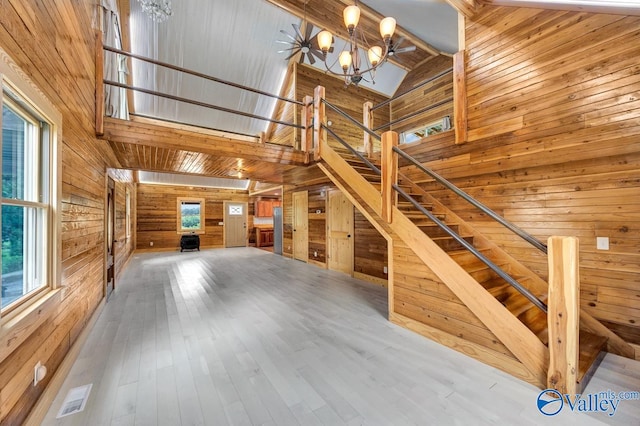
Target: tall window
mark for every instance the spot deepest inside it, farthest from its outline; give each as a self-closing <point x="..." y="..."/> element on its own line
<point x="190" y="215"/>
<point x="27" y="144"/>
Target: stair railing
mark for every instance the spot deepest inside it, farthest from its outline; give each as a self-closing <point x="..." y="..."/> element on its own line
<point x="483" y="208"/>
<point x="369" y="108"/>
<point x="388" y="172"/>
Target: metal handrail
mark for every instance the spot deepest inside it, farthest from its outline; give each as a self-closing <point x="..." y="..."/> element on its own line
<point x="427" y="81"/>
<point x="198" y="74"/>
<point x="495" y="268"/>
<point x="353" y="120"/>
<point x="413" y="114"/>
<point x="513" y="228"/>
<point x="372" y="166"/>
<point x="202" y="104"/>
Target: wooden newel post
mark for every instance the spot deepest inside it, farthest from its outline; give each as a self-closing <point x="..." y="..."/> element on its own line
<point x="563" y="314"/>
<point x="99" y="85"/>
<point x="367" y="121"/>
<point x="389" y="166"/>
<point x="307" y="132"/>
<point x="319" y="118"/>
<point x="460" y="97"/>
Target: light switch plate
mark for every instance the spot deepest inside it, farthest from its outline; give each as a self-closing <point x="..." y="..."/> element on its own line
<point x="602" y="243"/>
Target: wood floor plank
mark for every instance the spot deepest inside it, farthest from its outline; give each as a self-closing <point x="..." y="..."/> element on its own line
<point x="246" y="337"/>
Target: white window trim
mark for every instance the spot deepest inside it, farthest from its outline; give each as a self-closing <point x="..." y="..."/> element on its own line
<point x="34" y="309"/>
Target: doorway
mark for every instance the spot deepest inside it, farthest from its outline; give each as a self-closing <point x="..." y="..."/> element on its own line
<point x="340" y="232"/>
<point x="110" y="265"/>
<point x="235" y="224"/>
<point x="301" y="226"/>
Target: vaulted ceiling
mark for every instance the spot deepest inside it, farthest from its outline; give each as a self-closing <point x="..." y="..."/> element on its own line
<point x="239" y="40"/>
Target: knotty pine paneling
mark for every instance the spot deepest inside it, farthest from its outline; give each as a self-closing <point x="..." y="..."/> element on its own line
<point x="287" y="112"/>
<point x="52" y="42"/>
<point x="370" y="248"/>
<point x="429" y="94"/>
<point x="157" y="214"/>
<point x="349" y="99"/>
<point x="420" y="295"/>
<point x="370" y="257"/>
<point x="574" y="166"/>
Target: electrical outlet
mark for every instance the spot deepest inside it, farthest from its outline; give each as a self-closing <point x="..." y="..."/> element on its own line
<point x="385" y="270"/>
<point x="150" y="243"/>
<point x="315" y="254"/>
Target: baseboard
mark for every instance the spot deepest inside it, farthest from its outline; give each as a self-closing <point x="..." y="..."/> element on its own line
<point x="43" y="404"/>
<point x="370" y="278"/>
<point x="483" y="354"/>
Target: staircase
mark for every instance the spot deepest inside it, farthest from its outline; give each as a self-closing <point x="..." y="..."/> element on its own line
<point x="593" y="339"/>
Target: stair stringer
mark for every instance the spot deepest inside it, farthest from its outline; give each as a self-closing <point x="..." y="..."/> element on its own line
<point x="521" y="341"/>
<point x="506" y="363"/>
<point x="615" y="344"/>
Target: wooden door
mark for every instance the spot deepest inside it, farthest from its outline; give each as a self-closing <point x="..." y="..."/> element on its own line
<point x="301" y="226"/>
<point x="340" y="232"/>
<point x="235" y="224"/>
<point x="110" y="224"/>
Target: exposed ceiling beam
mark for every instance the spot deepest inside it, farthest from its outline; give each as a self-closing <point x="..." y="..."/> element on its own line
<point x="168" y="137"/>
<point x="327" y="14"/>
<point x="466" y="7"/>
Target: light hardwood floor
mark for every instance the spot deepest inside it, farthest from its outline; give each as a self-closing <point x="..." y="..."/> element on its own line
<point x="245" y="337"/>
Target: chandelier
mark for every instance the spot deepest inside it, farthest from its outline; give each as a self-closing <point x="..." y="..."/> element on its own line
<point x="354" y="66"/>
<point x="158" y="10"/>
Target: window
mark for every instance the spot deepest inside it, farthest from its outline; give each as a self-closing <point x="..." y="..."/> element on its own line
<point x="191" y="215"/>
<point x="235" y="210"/>
<point x="424" y="131"/>
<point x="29" y="197"/>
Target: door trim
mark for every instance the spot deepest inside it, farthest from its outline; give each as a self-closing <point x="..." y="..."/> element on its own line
<point x="245" y="215"/>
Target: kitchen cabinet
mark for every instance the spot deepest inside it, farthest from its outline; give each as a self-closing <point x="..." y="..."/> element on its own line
<point x="264" y="237"/>
<point x="264" y="208"/>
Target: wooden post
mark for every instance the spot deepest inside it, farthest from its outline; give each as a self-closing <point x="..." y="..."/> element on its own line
<point x="263" y="138"/>
<point x="460" y="97"/>
<point x="367" y="121"/>
<point x="319" y="118"/>
<point x="307" y="132"/>
<point x="563" y="314"/>
<point x="99" y="85"/>
<point x="389" y="166"/>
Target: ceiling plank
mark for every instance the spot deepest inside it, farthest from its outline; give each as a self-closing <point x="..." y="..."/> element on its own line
<point x="153" y="135"/>
<point x="466" y="7"/>
<point x="604" y="6"/>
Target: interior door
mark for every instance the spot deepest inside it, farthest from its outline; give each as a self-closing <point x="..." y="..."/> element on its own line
<point x="301" y="226"/>
<point x="235" y="224"/>
<point x="340" y="232"/>
<point x="110" y="273"/>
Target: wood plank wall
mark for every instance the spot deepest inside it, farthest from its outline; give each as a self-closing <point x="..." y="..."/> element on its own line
<point x="157" y="214"/>
<point x="370" y="248"/>
<point x="124" y="245"/>
<point x="573" y="168"/>
<point x="429" y="94"/>
<point x="287" y="112"/>
<point x="349" y="99"/>
<point x="53" y="43"/>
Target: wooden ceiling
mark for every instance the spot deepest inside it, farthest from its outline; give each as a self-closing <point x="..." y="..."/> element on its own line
<point x="327" y="14"/>
<point x="163" y="147"/>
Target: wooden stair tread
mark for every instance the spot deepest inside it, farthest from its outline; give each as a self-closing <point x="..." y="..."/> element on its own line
<point x="591" y="346"/>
